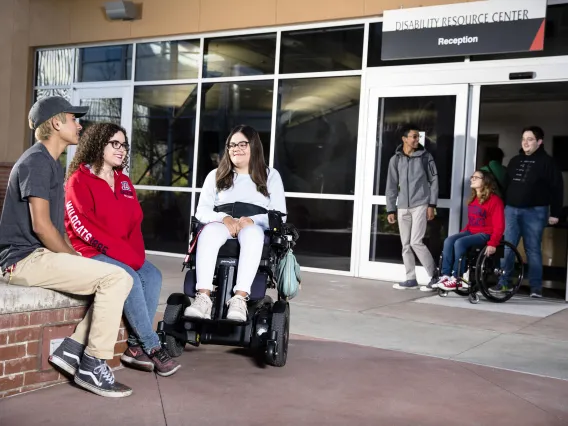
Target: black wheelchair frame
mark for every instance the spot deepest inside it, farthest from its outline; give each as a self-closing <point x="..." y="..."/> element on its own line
<point x="478" y="264"/>
<point x="266" y="329"/>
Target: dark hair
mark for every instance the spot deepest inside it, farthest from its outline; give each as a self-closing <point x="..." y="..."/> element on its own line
<point x="492" y="153"/>
<point x="91" y="147"/>
<point x="489" y="187"/>
<point x="408" y="128"/>
<point x="257" y="166"/>
<point x="537" y="132"/>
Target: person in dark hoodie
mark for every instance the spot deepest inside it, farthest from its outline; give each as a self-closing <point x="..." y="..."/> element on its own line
<point x="103" y="222"/>
<point x="413" y="179"/>
<point x="533" y="200"/>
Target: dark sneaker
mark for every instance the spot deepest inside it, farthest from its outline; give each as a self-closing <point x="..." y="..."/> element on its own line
<point x="165" y="365"/>
<point x="409" y="284"/>
<point x="68" y="356"/>
<point x="433" y="284"/>
<point x="96" y="376"/>
<point x="499" y="289"/>
<point x="536" y="294"/>
<point x="135" y="357"/>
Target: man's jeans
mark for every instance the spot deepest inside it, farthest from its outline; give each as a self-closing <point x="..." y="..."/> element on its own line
<point x="142" y="302"/>
<point x="528" y="223"/>
<point x="455" y="247"/>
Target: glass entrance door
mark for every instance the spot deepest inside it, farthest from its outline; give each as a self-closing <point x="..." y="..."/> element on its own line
<point x="440" y="112"/>
<point x="109" y="104"/>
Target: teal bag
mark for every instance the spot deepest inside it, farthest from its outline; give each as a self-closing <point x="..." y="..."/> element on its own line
<point x="288" y="276"/>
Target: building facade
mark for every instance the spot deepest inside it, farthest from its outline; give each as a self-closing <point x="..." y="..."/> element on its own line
<point x="311" y="78"/>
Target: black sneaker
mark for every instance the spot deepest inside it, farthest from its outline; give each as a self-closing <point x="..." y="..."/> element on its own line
<point x="96" y="376"/>
<point x="68" y="356"/>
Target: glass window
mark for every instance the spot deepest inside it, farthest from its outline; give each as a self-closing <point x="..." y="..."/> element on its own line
<point x="225" y="105"/>
<point x="163" y="135"/>
<point x="167" y="60"/>
<point x="234" y="56"/>
<point x="166" y="220"/>
<point x="46" y="93"/>
<point x="385" y="238"/>
<point x="316" y="139"/>
<point x="555" y="37"/>
<point x="54" y="67"/>
<point x="433" y="115"/>
<point x="105" y="63"/>
<point x="326" y="228"/>
<point x="329" y="49"/>
<point x="101" y="110"/>
<point x="375" y="49"/>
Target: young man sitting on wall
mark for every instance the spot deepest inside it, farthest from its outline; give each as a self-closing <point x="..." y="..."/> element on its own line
<point x="33" y="251"/>
<point x="413" y="179"/>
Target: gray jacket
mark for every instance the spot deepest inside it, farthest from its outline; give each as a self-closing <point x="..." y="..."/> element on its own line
<point x="414" y="181"/>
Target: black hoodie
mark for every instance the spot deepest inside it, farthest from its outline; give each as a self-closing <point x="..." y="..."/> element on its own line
<point x="535" y="180"/>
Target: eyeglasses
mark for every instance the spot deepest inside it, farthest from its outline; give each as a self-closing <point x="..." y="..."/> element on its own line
<point x="117" y="145"/>
<point x="240" y="145"/>
<point x="475" y="177"/>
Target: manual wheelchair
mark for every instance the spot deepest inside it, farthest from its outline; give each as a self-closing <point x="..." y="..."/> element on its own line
<point x="483" y="273"/>
<point x="266" y="329"/>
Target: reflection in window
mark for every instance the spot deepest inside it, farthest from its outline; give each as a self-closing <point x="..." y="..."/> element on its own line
<point x="244" y="55"/>
<point x="226" y="105"/>
<point x="317" y="50"/>
<point x="163" y="133"/>
<point x="46" y="93"/>
<point x="385" y="238"/>
<point x="326" y="228"/>
<point x="101" y="110"/>
<point x="167" y="60"/>
<point x="316" y="140"/>
<point x="435" y="116"/>
<point x="166" y="220"/>
<point x="105" y="63"/>
<point x="54" y="67"/>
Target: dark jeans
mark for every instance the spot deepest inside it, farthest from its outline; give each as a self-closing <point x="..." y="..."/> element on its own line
<point x="142" y="302"/>
<point x="455" y="247"/>
<point x="528" y="223"/>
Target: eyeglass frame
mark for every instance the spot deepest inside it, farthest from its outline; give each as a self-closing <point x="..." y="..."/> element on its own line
<point x="233" y="145"/>
<point x="117" y="145"/>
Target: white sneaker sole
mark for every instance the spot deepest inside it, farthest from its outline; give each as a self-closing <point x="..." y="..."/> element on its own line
<point x="194" y="313"/>
<point x="236" y="318"/>
<point x="65" y="366"/>
<point x="101" y="392"/>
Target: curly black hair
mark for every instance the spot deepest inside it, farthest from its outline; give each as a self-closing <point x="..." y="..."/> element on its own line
<point x="91" y="147"/>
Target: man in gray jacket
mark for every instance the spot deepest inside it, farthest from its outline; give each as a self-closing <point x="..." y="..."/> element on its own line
<point x="413" y="179"/>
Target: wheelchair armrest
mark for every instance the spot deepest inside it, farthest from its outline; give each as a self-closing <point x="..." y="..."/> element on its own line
<point x="194" y="225"/>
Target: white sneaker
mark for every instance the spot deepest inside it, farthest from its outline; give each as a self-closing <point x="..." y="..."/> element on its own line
<point x="237" y="308"/>
<point x="200" y="308"/>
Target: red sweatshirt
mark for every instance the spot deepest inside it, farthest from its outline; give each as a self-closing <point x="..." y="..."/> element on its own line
<point x="99" y="221"/>
<point x="487" y="218"/>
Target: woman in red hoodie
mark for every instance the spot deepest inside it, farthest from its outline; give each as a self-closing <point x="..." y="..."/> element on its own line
<point x="486" y="224"/>
<point x="103" y="221"/>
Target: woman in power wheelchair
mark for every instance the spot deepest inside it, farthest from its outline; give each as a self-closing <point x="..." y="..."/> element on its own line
<point x="238" y="237"/>
<point x="478" y="246"/>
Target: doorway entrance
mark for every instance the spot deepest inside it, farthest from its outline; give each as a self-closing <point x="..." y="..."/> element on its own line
<point x="108" y="104"/>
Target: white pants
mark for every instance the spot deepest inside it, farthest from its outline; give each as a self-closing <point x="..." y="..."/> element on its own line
<point x="213" y="236"/>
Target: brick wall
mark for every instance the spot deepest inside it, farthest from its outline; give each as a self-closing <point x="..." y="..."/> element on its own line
<point x="25" y="347"/>
<point x="4" y="174"/>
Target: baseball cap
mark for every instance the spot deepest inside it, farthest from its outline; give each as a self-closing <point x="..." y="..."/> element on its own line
<point x="46" y="108"/>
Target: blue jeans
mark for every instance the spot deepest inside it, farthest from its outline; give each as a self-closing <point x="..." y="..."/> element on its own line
<point x="455" y="247"/>
<point x="142" y="302"/>
<point x="528" y="223"/>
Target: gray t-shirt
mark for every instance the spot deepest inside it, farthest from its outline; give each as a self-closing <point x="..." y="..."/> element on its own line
<point x="35" y="174"/>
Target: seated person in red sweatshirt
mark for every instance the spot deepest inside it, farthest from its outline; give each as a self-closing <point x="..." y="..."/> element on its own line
<point x="103" y="221"/>
<point x="486" y="225"/>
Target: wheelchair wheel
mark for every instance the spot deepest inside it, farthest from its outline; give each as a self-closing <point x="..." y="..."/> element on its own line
<point x="281" y="325"/>
<point x="488" y="272"/>
<point x="172" y="315"/>
<point x="442" y="293"/>
<point x="473" y="298"/>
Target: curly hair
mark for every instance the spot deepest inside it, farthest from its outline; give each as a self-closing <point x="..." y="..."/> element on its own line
<point x="91" y="147"/>
<point x="488" y="188"/>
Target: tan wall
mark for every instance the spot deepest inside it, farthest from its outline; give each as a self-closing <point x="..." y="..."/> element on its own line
<point x="25" y="24"/>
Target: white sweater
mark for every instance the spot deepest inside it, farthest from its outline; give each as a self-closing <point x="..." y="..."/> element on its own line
<point x="243" y="190"/>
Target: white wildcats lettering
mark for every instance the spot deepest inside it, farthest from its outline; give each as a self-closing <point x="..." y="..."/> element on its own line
<point x="77" y="225"/>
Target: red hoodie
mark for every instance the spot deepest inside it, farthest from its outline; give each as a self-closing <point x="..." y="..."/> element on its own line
<point x="99" y="221"/>
<point x="487" y="218"/>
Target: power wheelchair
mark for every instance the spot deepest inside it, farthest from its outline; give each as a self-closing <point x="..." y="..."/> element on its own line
<point x="483" y="273"/>
<point x="266" y="329"/>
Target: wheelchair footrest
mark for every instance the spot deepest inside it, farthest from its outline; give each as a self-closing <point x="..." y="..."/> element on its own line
<point x="214" y="321"/>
